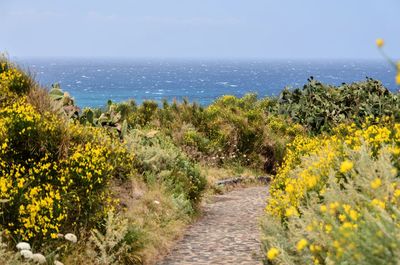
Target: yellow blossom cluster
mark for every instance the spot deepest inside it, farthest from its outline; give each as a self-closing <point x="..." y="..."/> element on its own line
<point x="287" y="192"/>
<point x="337" y="198"/>
<point x="12" y="81"/>
<point x="54" y="173"/>
<point x="292" y="183"/>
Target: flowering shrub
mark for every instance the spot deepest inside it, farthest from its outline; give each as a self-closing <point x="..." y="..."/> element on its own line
<point x="12" y="80"/>
<point x="54" y="174"/>
<point x="336" y="199"/>
<point x="298" y="176"/>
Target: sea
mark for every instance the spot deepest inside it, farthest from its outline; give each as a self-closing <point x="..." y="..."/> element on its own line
<point x="92" y="82"/>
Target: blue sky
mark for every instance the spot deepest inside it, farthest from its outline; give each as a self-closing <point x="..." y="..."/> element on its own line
<point x="280" y="29"/>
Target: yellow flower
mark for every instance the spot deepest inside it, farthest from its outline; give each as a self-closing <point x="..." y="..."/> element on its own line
<point x="346" y="208"/>
<point x="398" y="78"/>
<point x="323" y="208"/>
<point x="272" y="253"/>
<point x="328" y="228"/>
<point x="347" y="225"/>
<point x="346" y="166"/>
<point x="378" y="203"/>
<point x="376" y="183"/>
<point x="292" y="211"/>
<point x="342" y="217"/>
<point x="353" y="215"/>
<point x="379" y="42"/>
<point x="315" y="248"/>
<point x="301" y="244"/>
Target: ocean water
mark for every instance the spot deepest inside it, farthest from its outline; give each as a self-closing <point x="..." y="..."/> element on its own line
<point x="94" y="81"/>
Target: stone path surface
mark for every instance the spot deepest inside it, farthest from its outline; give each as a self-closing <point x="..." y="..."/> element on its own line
<point x="228" y="233"/>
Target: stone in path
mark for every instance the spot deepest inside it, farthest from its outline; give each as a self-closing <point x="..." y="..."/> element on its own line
<point x="227" y="234"/>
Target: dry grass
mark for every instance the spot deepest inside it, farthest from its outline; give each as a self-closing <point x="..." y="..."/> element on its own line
<point x="154" y="212"/>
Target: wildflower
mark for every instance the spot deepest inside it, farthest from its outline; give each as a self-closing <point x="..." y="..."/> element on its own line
<point x="378" y="203"/>
<point x="315" y="248"/>
<point x="333" y="206"/>
<point x="39" y="258"/>
<point x="346" y="208"/>
<point x="342" y="217"/>
<point x="292" y="211"/>
<point x="353" y="215"/>
<point x="346" y="166"/>
<point x="398" y="78"/>
<point x="347" y="225"/>
<point x="290" y="188"/>
<point x="71" y="237"/>
<point x="26" y="253"/>
<point x="301" y="244"/>
<point x="376" y="183"/>
<point x="380" y="42"/>
<point x="23" y="246"/>
<point x="323" y="208"/>
<point x="272" y="253"/>
<point x="328" y="228"/>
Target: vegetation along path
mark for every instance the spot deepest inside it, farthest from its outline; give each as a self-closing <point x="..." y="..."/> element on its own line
<point x="227" y="234"/>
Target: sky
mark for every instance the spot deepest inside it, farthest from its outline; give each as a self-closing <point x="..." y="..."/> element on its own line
<point x="263" y="29"/>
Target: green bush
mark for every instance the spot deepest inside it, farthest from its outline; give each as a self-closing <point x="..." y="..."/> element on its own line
<point x="160" y="161"/>
<point x="321" y="107"/>
<point x="229" y="130"/>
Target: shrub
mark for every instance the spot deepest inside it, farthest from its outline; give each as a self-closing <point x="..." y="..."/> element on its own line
<point x="354" y="222"/>
<point x="159" y="160"/>
<point x="116" y="245"/>
<point x="13" y="81"/>
<point x="299" y="176"/>
<point x="335" y="199"/>
<point x="229" y="130"/>
<point x="321" y="107"/>
<point x="54" y="174"/>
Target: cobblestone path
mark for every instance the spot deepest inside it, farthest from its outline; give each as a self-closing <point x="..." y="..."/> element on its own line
<point x="228" y="233"/>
